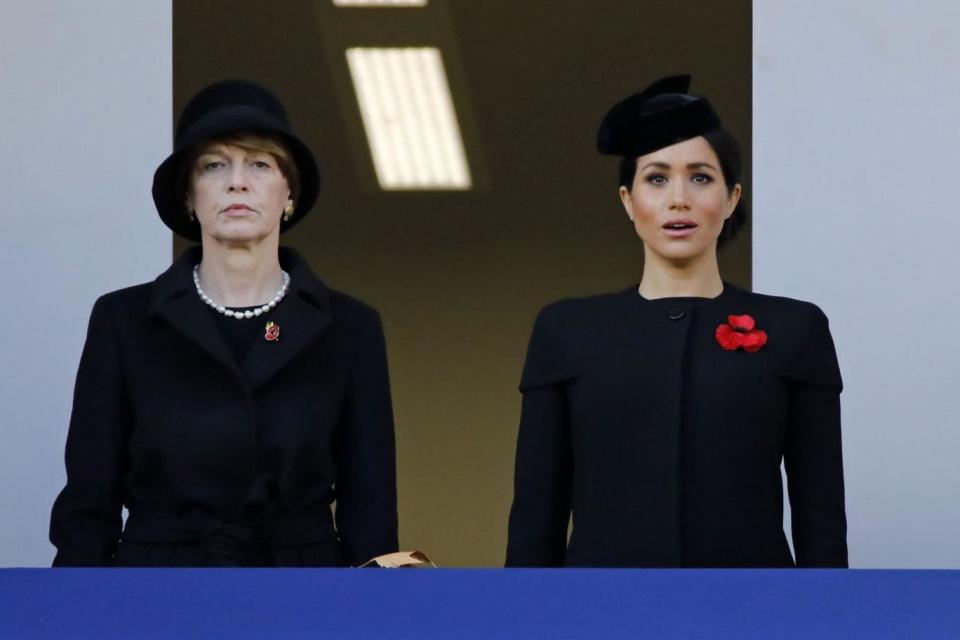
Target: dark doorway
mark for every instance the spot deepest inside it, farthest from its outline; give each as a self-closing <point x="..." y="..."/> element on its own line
<point x="459" y="276"/>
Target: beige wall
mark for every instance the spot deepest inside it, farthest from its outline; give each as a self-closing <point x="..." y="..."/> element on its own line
<point x="458" y="278"/>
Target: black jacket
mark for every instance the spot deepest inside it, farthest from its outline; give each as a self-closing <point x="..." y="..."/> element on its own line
<point x="666" y="448"/>
<point x="221" y="463"/>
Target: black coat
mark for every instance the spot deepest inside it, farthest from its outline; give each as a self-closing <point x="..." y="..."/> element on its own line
<point x="666" y="448"/>
<point x="221" y="463"/>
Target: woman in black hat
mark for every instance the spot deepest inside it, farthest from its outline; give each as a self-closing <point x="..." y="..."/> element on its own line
<point x="231" y="401"/>
<point x="658" y="416"/>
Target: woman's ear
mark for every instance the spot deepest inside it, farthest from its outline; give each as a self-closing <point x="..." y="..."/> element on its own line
<point x="733" y="200"/>
<point x="627" y="202"/>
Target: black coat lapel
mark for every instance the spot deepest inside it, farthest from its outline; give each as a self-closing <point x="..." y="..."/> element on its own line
<point x="188" y="315"/>
<point x="173" y="299"/>
<point x="300" y="324"/>
<point x="302" y="316"/>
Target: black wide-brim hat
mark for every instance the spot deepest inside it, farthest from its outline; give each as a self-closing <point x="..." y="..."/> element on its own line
<point x="224" y="108"/>
<point x="661" y="115"/>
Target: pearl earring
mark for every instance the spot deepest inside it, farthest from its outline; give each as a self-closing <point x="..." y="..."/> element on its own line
<point x="287" y="212"/>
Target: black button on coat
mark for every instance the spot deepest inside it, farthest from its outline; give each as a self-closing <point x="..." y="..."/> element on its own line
<point x="226" y="463"/>
<point x="666" y="448"/>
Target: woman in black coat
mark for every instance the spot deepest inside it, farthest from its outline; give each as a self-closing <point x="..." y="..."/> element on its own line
<point x="229" y="403"/>
<point x="658" y="416"/>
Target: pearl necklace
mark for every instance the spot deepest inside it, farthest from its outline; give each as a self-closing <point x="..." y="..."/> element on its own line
<point x="241" y="315"/>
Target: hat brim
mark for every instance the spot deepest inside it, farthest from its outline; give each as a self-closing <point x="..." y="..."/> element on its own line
<point x="218" y="123"/>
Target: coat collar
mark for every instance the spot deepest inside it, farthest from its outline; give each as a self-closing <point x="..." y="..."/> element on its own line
<point x="670" y="309"/>
<point x="302" y="316"/>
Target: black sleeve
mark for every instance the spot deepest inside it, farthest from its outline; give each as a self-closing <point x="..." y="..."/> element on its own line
<point x="537" y="535"/>
<point x="86" y="519"/>
<point x="366" y="511"/>
<point x="813" y="457"/>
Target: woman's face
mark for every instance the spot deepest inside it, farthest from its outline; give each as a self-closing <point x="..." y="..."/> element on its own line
<point x="679" y="201"/>
<point x="237" y="195"/>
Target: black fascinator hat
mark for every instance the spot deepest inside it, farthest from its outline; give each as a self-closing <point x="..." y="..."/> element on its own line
<point x="662" y="115"/>
<point x="223" y="108"/>
<point x="659" y="116"/>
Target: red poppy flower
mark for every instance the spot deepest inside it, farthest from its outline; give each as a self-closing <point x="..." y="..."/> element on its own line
<point x="741" y="323"/>
<point x="754" y="340"/>
<point x="728" y="337"/>
<point x="740" y="332"/>
<point x="272" y="332"/>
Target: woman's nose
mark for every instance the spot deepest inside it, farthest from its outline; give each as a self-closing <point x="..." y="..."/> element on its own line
<point x="678" y="195"/>
<point x="238" y="178"/>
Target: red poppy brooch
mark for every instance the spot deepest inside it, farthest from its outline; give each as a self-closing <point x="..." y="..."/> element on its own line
<point x="739" y="332"/>
<point x="272" y="332"/>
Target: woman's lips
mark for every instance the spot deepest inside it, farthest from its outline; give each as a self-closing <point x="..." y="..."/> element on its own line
<point x="237" y="210"/>
<point x="679" y="228"/>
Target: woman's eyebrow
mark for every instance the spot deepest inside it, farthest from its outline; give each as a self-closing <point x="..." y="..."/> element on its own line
<point x="659" y="165"/>
<point x="691" y="165"/>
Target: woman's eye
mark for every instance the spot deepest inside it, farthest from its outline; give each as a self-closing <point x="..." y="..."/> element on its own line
<point x="656" y="179"/>
<point x="702" y="178"/>
<point x="213" y="164"/>
<point x="261" y="164"/>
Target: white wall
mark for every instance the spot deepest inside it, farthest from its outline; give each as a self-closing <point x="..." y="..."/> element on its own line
<point x="85" y="117"/>
<point x="857" y="207"/>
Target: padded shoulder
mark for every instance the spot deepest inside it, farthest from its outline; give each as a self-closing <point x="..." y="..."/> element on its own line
<point x="558" y="325"/>
<point x="811" y="357"/>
